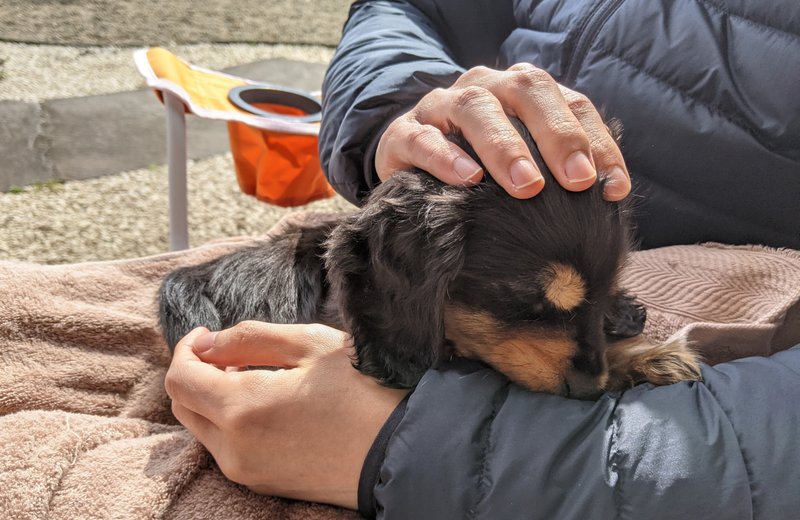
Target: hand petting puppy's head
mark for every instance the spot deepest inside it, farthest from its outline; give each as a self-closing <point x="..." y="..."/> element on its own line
<point x="426" y="270"/>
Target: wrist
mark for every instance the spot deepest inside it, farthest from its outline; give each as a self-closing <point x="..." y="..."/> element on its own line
<point x="377" y="426"/>
<point x="370" y="405"/>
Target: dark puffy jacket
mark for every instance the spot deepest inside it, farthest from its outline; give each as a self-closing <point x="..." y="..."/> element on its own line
<point x="708" y="92"/>
<point x="472" y="445"/>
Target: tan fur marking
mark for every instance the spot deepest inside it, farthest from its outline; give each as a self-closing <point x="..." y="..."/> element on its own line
<point x="639" y="360"/>
<point x="538" y="360"/>
<point x="563" y="286"/>
<point x="539" y="363"/>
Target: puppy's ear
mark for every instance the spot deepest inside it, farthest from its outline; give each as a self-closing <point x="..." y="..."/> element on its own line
<point x="389" y="267"/>
<point x="626" y="317"/>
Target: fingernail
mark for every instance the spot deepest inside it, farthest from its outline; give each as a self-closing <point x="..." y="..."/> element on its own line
<point x="205" y="342"/>
<point x="578" y="168"/>
<point x="524" y="173"/>
<point x="616" y="186"/>
<point x="466" y="169"/>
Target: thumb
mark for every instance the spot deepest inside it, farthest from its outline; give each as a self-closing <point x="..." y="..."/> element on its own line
<point x="254" y="343"/>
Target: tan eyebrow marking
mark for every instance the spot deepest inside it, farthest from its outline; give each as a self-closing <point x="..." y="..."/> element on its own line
<point x="563" y="286"/>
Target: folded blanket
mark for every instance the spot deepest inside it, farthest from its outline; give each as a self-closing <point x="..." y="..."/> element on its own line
<point x="85" y="425"/>
<point x="729" y="302"/>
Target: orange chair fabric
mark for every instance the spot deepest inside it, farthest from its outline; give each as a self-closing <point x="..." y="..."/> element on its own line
<point x="276" y="161"/>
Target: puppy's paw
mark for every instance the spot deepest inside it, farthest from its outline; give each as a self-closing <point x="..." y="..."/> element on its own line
<point x="638" y="361"/>
<point x="669" y="363"/>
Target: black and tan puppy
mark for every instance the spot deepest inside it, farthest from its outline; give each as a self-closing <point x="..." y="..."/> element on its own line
<point x="425" y="271"/>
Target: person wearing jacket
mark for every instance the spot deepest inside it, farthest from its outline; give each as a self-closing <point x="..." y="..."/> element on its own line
<point x="706" y="92"/>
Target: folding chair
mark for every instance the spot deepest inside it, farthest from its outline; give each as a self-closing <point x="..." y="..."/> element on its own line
<point x="272" y="129"/>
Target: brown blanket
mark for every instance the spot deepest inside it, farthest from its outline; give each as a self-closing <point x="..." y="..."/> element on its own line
<point x="86" y="429"/>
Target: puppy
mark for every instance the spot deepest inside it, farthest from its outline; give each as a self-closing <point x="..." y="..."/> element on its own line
<point x="425" y="271"/>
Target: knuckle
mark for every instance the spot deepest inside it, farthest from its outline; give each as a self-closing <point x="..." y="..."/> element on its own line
<point x="315" y="331"/>
<point x="505" y="139"/>
<point x="604" y="151"/>
<point x="233" y="466"/>
<point x="170" y="385"/>
<point x="393" y="135"/>
<point x="521" y="67"/>
<point x="172" y="382"/>
<point x="580" y="104"/>
<point x="318" y="337"/>
<point x="250" y="325"/>
<point x="394" y="127"/>
<point x="243" y="331"/>
<point x="534" y="78"/>
<point x="482" y="70"/>
<point x="419" y="139"/>
<point x="599" y="138"/>
<point x="435" y="94"/>
<point x="473" y="74"/>
<point x="470" y="97"/>
<point x="429" y="103"/>
<point x="565" y="128"/>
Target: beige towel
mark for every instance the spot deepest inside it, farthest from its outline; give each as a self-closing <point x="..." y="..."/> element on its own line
<point x="86" y="429"/>
<point x="728" y="301"/>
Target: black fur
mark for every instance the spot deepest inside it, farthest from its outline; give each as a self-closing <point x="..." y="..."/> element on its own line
<point x="281" y="281"/>
<point x="417" y="244"/>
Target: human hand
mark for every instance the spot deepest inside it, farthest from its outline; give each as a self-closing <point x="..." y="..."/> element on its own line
<point x="301" y="431"/>
<point x="569" y="132"/>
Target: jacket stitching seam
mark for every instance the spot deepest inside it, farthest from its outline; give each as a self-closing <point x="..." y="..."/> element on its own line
<point x="714" y="109"/>
<point x="761" y="26"/>
<point x="573" y="35"/>
<point x="745" y="462"/>
<point x="485" y="450"/>
<point x="613" y="459"/>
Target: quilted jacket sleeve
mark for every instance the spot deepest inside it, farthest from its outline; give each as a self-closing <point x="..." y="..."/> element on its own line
<point x="391" y="54"/>
<point x="472" y="445"/>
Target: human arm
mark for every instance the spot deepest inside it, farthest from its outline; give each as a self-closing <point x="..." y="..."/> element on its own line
<point x="397" y="83"/>
<point x="723" y="448"/>
<point x="661" y="451"/>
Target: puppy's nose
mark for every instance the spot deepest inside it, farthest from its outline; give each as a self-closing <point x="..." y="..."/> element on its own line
<point x="581" y="385"/>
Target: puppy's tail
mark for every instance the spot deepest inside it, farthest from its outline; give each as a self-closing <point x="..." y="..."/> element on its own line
<point x="183" y="304"/>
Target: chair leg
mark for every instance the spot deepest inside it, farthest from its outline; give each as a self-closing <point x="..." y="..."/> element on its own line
<point x="176" y="165"/>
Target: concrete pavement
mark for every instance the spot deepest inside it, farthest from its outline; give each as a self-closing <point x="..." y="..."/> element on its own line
<point x="85" y="137"/>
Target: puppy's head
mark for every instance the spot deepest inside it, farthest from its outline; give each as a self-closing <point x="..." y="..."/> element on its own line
<point x="425" y="270"/>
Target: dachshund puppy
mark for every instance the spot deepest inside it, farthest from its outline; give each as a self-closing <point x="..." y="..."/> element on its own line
<point x="425" y="271"/>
